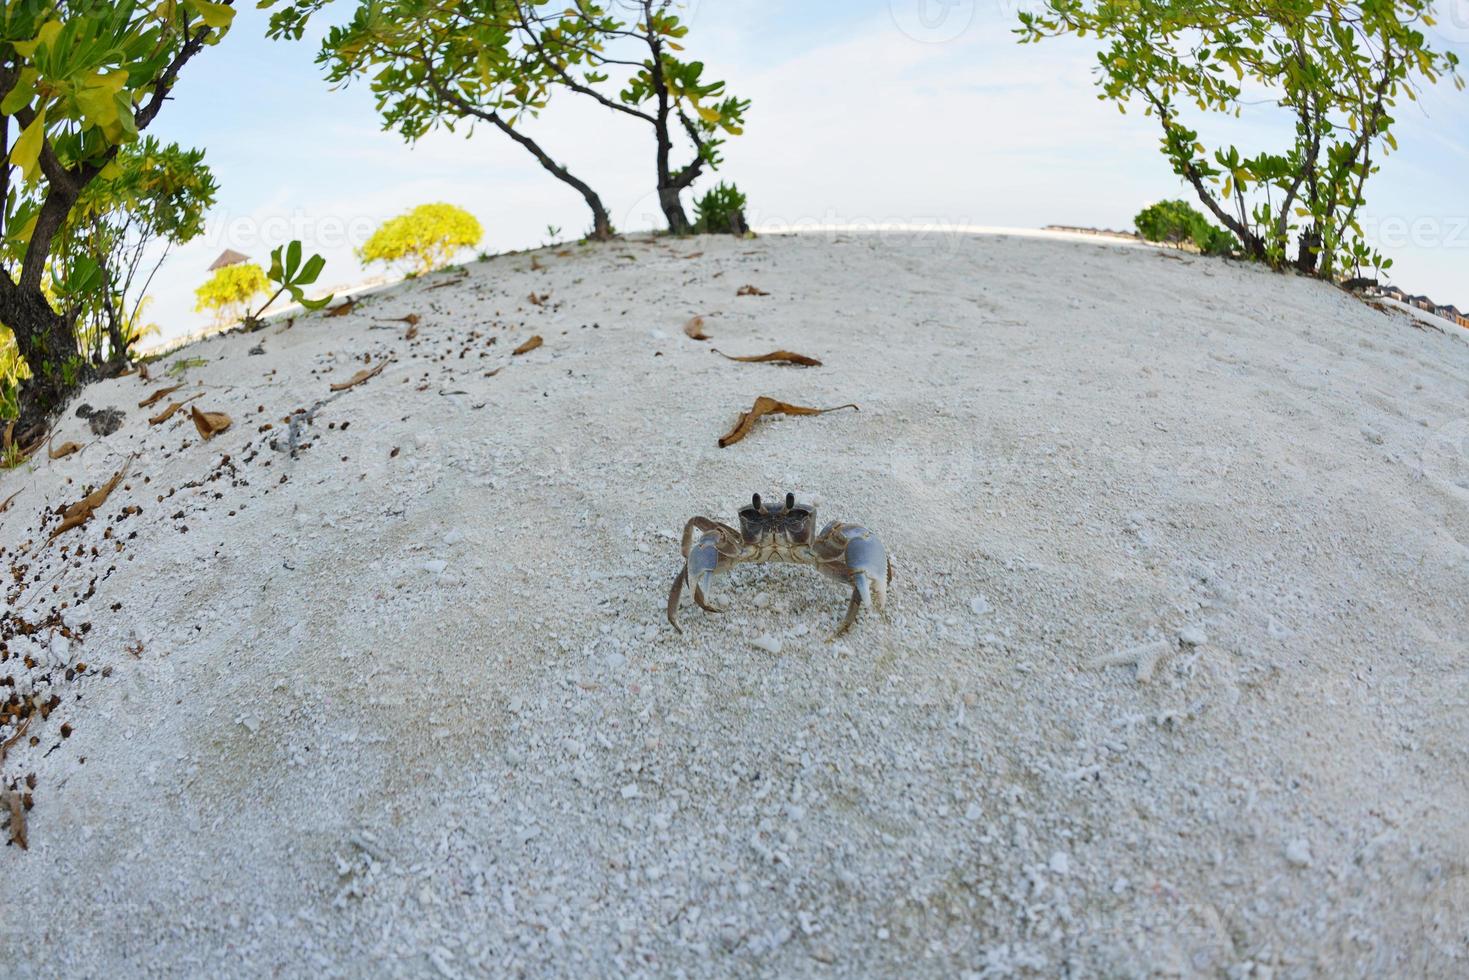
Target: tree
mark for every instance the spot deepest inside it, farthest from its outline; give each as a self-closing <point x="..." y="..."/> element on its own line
<point x="151" y="195"/>
<point x="78" y="80"/>
<point x="443" y="63"/>
<point x="1335" y="69"/>
<point x="437" y="61"/>
<point x="229" y="293"/>
<point x="583" y="43"/>
<point x="426" y="237"/>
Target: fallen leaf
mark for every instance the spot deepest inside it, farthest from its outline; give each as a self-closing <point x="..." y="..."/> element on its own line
<point x="535" y="265"/>
<point x="411" y="319"/>
<point x="411" y="332"/>
<point x="63" y="451"/>
<point x="342" y="308"/>
<point x="765" y="405"/>
<point x="8" y="501"/>
<point x="143" y="372"/>
<point x="210" y="424"/>
<point x="158" y="396"/>
<point x="748" y="290"/>
<point x="529" y="345"/>
<point x="564" y="252"/>
<point x="693" y="255"/>
<point x="8" y="437"/>
<point x="173" y="407"/>
<point x="360" y="377"/>
<point x="80" y="512"/>
<point x="540" y="300"/>
<point x="774" y="357"/>
<point x="17" y="820"/>
<point x="695" y="328"/>
<point x="20" y="730"/>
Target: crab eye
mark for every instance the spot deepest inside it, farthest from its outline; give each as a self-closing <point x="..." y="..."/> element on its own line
<point x="790" y="501"/>
<point x="755" y="502"/>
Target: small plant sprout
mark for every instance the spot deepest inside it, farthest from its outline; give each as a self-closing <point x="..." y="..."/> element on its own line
<point x="290" y="275"/>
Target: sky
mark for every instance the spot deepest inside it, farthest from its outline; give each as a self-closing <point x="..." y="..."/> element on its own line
<point x="863" y="112"/>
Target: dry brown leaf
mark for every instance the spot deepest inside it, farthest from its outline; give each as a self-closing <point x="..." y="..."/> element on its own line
<point x="539" y="300"/>
<point x="774" y="357"/>
<point x="564" y="252"/>
<point x="535" y="264"/>
<point x="17" y="809"/>
<point x="8" y="437"/>
<point x="5" y="505"/>
<point x="80" y="512"/>
<point x="411" y="319"/>
<point x="765" y="405"/>
<point x="210" y="424"/>
<point x="360" y="377"/>
<point x="143" y="372"/>
<point x="748" y="290"/>
<point x="342" y="309"/>
<point x="173" y="407"/>
<point x="62" y="451"/>
<point x="20" y="730"/>
<point x="411" y="332"/>
<point x="693" y="255"/>
<point x="158" y="396"/>
<point x="695" y="328"/>
<point x="529" y="345"/>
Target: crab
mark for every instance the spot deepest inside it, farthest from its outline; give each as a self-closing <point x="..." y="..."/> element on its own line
<point x="783" y="532"/>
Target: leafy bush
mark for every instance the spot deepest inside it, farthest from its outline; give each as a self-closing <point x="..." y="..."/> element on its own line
<point x="721" y="211"/>
<point x="229" y="291"/>
<point x="1175" y="222"/>
<point x="426" y="237"/>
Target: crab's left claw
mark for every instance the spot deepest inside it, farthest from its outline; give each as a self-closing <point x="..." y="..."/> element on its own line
<point x="854" y="554"/>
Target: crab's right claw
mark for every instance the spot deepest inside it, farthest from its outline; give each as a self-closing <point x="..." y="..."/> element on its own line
<point x="868" y="569"/>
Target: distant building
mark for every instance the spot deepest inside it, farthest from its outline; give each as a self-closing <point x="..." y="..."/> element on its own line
<point x="228" y="257"/>
<point x="1447" y="312"/>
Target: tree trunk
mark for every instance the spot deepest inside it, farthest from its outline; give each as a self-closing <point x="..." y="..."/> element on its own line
<point x="1307" y="251"/>
<point x="601" y="220"/>
<point x="46" y="340"/>
<point x="673" y="212"/>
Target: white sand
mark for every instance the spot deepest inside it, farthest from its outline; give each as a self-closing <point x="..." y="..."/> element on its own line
<point x="1174" y="679"/>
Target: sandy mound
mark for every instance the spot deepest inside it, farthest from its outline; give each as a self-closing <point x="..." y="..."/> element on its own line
<point x="1174" y="676"/>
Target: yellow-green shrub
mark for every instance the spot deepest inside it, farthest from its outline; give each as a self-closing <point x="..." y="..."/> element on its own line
<point x="427" y="237"/>
<point x="13" y="370"/>
<point x="229" y="291"/>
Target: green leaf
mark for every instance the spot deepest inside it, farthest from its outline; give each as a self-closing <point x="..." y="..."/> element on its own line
<point x="20" y="94"/>
<point x="216" y="15"/>
<point x="26" y="153"/>
<point x="311" y="270"/>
